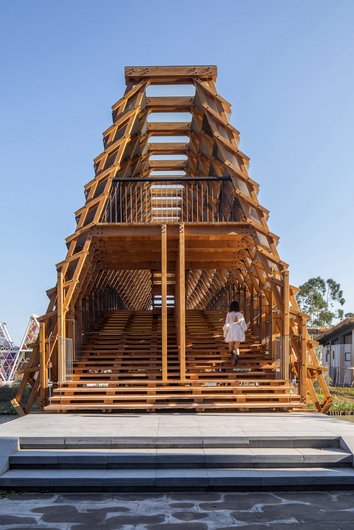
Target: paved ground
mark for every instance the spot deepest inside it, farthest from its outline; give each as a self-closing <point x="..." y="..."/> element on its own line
<point x="179" y="511"/>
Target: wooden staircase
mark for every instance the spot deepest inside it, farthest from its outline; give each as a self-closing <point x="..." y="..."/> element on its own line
<point x="120" y="369"/>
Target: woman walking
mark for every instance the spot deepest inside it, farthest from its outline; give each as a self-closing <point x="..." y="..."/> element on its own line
<point x="234" y="330"/>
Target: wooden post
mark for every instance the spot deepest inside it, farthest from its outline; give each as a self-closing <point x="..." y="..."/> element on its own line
<point x="78" y="339"/>
<point x="286" y="327"/>
<point x="271" y="324"/>
<point x="164" y="361"/>
<point x="181" y="304"/>
<point x="303" y="361"/>
<point x="245" y="308"/>
<point x="251" y="315"/>
<point x="260" y="317"/>
<point x="43" y="373"/>
<point x="61" y="328"/>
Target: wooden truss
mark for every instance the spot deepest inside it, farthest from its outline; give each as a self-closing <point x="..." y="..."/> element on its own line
<point x="172" y="211"/>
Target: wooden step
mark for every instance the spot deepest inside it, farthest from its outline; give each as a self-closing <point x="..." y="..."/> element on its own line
<point x="109" y="398"/>
<point x="120" y="368"/>
<point x="176" y="406"/>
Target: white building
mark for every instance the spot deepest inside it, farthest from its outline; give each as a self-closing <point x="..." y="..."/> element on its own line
<point x="337" y="352"/>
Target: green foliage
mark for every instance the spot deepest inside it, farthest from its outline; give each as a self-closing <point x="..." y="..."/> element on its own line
<point x="7" y="393"/>
<point x="321" y="300"/>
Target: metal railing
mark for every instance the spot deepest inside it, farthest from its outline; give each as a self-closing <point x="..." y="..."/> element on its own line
<point x="171" y="200"/>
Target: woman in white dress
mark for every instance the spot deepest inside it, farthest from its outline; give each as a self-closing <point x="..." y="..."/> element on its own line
<point x="234" y="330"/>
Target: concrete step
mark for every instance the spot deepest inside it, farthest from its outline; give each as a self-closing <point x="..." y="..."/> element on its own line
<point x="189" y="452"/>
<point x="180" y="458"/>
<point x="179" y="442"/>
<point x="176" y="479"/>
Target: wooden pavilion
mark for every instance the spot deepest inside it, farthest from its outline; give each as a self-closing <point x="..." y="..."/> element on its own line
<point x="170" y="233"/>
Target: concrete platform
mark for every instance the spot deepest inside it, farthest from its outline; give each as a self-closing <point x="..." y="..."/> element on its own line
<point x="176" y="451"/>
<point x="154" y="428"/>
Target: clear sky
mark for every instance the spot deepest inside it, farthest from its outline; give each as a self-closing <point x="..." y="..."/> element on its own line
<point x="287" y="67"/>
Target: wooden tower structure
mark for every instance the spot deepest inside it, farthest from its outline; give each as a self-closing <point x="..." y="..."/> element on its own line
<point x="171" y="231"/>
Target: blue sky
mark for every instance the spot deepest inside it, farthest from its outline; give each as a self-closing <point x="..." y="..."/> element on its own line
<point x="287" y="67"/>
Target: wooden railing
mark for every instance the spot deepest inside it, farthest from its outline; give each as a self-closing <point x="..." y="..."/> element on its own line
<point x="171" y="200"/>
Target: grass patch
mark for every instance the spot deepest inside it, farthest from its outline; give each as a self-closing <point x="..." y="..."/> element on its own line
<point x="343" y="399"/>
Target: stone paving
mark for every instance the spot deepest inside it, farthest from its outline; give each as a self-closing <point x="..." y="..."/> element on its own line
<point x="332" y="510"/>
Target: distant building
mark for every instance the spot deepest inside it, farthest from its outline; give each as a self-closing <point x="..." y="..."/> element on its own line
<point x="337" y="352"/>
<point x="317" y="331"/>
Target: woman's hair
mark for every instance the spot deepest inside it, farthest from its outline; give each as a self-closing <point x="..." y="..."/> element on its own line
<point x="234" y="306"/>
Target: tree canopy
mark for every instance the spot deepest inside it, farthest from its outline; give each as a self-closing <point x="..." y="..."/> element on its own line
<point x="321" y="300"/>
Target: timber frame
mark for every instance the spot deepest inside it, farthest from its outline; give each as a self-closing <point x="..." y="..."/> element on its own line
<point x="172" y="217"/>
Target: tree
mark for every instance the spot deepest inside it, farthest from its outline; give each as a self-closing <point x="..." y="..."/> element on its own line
<point x="321" y="300"/>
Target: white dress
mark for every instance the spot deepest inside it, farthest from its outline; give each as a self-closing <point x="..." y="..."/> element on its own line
<point x="235" y="331"/>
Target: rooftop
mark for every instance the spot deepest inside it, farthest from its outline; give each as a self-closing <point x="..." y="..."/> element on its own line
<point x="339" y="329"/>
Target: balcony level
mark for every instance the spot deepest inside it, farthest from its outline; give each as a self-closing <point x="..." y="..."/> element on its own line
<point x="172" y="199"/>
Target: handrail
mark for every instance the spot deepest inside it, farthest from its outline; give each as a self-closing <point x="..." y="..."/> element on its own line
<point x="172" y="178"/>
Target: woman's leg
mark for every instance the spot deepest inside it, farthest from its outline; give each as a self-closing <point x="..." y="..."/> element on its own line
<point x="237" y="348"/>
<point x="233" y="353"/>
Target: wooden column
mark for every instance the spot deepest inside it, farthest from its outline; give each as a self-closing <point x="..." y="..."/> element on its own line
<point x="251" y="315"/>
<point x="260" y="316"/>
<point x="164" y="361"/>
<point x="286" y="327"/>
<point x="61" y="328"/>
<point x="181" y="307"/>
<point x="245" y="309"/>
<point x="43" y="373"/>
<point x="303" y="361"/>
<point x="79" y="320"/>
<point x="271" y="324"/>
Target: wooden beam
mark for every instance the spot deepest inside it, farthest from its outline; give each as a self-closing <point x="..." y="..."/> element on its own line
<point x="166" y="148"/>
<point x="167" y="165"/>
<point x="168" y="128"/>
<point x="168" y="74"/>
<point x="170" y="104"/>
